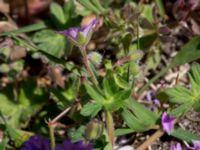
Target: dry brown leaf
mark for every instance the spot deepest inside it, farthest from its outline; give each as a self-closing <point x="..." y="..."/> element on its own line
<point x="17" y="52"/>
<point x="56" y="76"/>
<point x="86" y="20"/>
<point x="4" y="6"/>
<point x="7" y="26"/>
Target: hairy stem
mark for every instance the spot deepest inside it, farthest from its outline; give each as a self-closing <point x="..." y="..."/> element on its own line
<point x="110" y="126"/>
<point x="87" y="65"/>
<point x="52" y="137"/>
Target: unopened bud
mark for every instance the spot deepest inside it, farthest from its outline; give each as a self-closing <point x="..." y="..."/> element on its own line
<point x="93" y="129"/>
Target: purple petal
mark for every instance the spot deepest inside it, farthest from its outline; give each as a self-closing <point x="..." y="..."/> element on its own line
<point x="71" y="32"/>
<point x="36" y="143"/>
<point x="167" y="123"/>
<point x="68" y="145"/>
<point x="152" y="108"/>
<point x="88" y="28"/>
<point x="176" y="147"/>
<point x="81" y="146"/>
<point x="156" y="102"/>
<point x="196" y="145"/>
<point x="190" y="148"/>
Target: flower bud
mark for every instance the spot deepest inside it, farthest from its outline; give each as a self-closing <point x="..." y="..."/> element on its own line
<point x="93" y="129"/>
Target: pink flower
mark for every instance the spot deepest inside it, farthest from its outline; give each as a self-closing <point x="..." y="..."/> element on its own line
<point x="167" y="123"/>
<point x="196" y="146"/>
<point x="176" y="146"/>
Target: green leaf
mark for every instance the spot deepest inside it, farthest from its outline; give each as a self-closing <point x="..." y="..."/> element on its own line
<point x="51" y="43"/>
<point x="98" y="5"/>
<point x="179" y="94"/>
<point x="138" y="117"/>
<point x="3" y="144"/>
<point x="161" y="8"/>
<point x="143" y="113"/>
<point x="188" y="53"/>
<point x="147" y="40"/>
<point x="17" y="108"/>
<point x="18" y="136"/>
<point x="107" y="88"/>
<point x="147" y="12"/>
<point x="195" y="74"/>
<point x="76" y="134"/>
<point x="126" y="41"/>
<point x="69" y="9"/>
<point x="153" y="58"/>
<point x="185" y="135"/>
<point x="9" y="109"/>
<point x="29" y="28"/>
<point x="133" y="122"/>
<point x="123" y="131"/>
<point x="87" y="4"/>
<point x="65" y="96"/>
<point x="94" y="93"/>
<point x="57" y="14"/>
<point x="182" y="109"/>
<point x="117" y="101"/>
<point x="121" y="82"/>
<point x="91" y="109"/>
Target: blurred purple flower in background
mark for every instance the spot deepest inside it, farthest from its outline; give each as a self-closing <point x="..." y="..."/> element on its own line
<point x="37" y="142"/>
<point x="80" y="36"/>
<point x="167" y="123"/>
<point x="196" y="146"/>
<point x="68" y="145"/>
<point x="151" y="98"/>
<point x="176" y="146"/>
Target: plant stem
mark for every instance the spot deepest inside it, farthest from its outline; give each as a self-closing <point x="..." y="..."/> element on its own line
<point x="152" y="139"/>
<point x="87" y="65"/>
<point x="138" y="36"/>
<point x="110" y="126"/>
<point x="60" y="115"/>
<point x="161" y="73"/>
<point x="52" y="137"/>
<point x="52" y="125"/>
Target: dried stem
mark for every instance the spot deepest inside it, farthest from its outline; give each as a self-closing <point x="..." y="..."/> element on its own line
<point x="60" y="115"/>
<point x="151" y="140"/>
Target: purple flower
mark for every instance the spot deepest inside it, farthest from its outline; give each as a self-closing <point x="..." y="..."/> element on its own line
<point x="39" y="143"/>
<point x="154" y="103"/>
<point x="176" y="146"/>
<point x="167" y="122"/>
<point x="80" y="36"/>
<point x="36" y="143"/>
<point x="68" y="145"/>
<point x="196" y="146"/>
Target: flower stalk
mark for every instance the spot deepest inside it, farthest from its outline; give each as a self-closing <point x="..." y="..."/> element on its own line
<point x="87" y="65"/>
<point x="52" y="137"/>
<point x="110" y="126"/>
